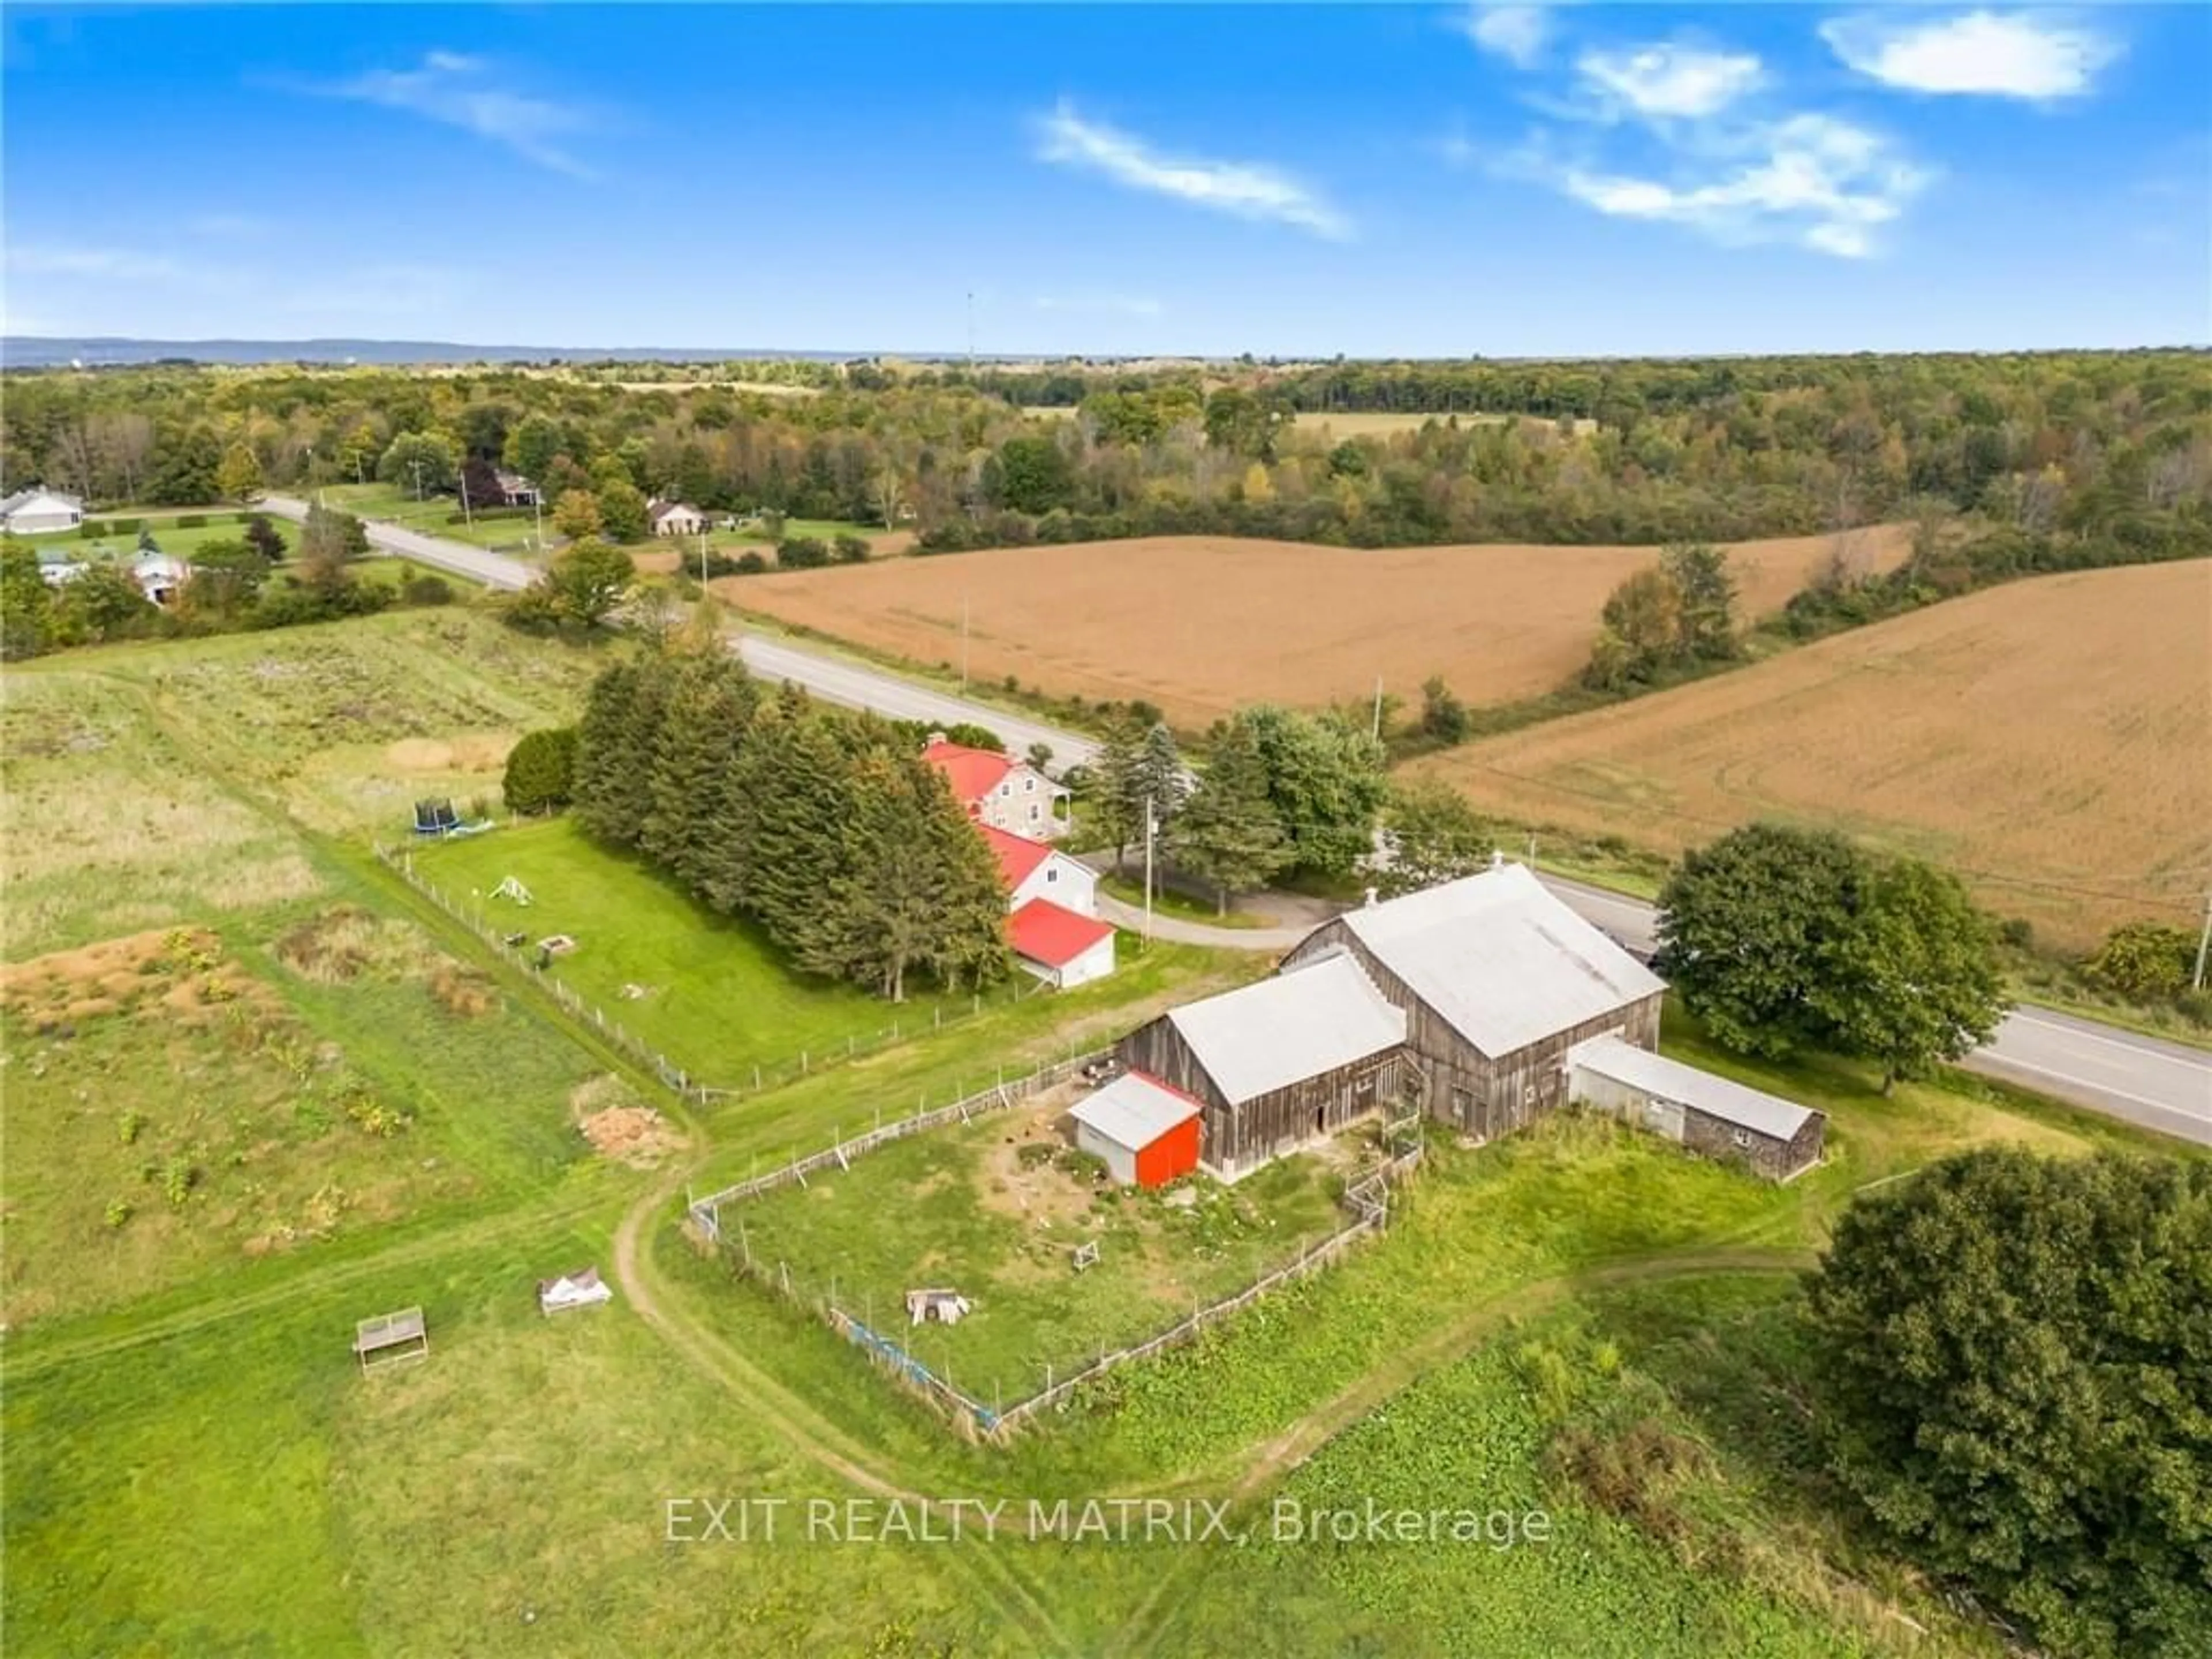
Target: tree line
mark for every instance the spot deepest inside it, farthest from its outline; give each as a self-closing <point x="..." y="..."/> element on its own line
<point x="2080" y="449"/>
<point x="237" y="584"/>
<point x="823" y="826"/>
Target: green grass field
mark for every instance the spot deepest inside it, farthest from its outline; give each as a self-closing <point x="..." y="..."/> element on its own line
<point x="363" y="1111"/>
<point x="994" y="1209"/>
<point x="717" y="999"/>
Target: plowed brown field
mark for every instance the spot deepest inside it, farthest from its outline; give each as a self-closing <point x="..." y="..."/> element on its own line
<point x="2052" y="740"/>
<point x="1201" y="625"/>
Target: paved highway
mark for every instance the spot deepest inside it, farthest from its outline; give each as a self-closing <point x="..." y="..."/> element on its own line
<point x="2158" y="1084"/>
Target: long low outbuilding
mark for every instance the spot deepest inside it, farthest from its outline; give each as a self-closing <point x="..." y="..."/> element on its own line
<point x="1706" y="1113"/>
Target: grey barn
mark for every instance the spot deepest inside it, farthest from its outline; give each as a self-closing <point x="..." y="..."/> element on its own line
<point x="1499" y="981"/>
<point x="1279" y="1063"/>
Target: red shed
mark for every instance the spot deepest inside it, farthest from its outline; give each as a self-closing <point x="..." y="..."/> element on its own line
<point x="1146" y="1131"/>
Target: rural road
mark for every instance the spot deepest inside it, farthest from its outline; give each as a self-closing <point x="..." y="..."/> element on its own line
<point x="2139" y="1079"/>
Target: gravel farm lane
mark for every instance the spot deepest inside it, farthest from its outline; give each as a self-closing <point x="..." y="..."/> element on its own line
<point x="2140" y="1079"/>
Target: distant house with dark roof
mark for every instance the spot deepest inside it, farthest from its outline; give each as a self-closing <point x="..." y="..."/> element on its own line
<point x="1001" y="791"/>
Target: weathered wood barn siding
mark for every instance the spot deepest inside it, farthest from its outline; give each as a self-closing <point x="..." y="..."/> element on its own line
<point x="1766" y="1155"/>
<point x="1236" y="1138"/>
<point x="1482" y="1094"/>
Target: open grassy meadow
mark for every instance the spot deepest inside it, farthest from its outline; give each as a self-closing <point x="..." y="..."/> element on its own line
<point x="1200" y="625"/>
<point x="164" y="783"/>
<point x="2046" y="739"/>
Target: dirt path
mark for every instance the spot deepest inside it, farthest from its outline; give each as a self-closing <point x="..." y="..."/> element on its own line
<point x="1015" y="1598"/>
<point x="1256" y="1469"/>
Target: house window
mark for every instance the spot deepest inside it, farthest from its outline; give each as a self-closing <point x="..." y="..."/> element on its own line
<point x="1529" y="1096"/>
<point x="1029" y="785"/>
<point x="1005" y="790"/>
<point x="1741" y="1137"/>
<point x="1034" y="814"/>
<point x="1051" y="875"/>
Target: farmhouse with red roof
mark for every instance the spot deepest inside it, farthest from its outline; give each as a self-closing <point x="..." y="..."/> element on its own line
<point x="1054" y="925"/>
<point x="1001" y="791"/>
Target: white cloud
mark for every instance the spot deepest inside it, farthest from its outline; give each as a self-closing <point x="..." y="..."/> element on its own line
<point x="1808" y="179"/>
<point x="1517" y="33"/>
<point x="114" y="265"/>
<point x="1124" y="305"/>
<point x="1990" y="54"/>
<point x="458" y="91"/>
<point x="1247" y="189"/>
<point x="1670" y="81"/>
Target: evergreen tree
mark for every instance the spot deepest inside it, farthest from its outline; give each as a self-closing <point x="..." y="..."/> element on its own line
<point x="26" y="605"/>
<point x="1160" y="781"/>
<point x="616" y="743"/>
<point x="541" y="771"/>
<point x="694" y="774"/>
<point x="1117" y="787"/>
<point x="795" y="798"/>
<point x="1227" y="833"/>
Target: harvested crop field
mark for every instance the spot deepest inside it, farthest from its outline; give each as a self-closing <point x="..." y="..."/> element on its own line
<point x="1199" y="624"/>
<point x="2047" y="739"/>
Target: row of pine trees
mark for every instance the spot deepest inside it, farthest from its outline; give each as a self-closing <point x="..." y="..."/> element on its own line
<point x="822" y="825"/>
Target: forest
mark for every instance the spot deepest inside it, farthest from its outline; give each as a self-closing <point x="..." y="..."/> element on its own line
<point x="2097" y="457"/>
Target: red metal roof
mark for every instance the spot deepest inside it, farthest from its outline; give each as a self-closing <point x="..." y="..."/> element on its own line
<point x="1018" y="855"/>
<point x="973" y="773"/>
<point x="1044" y="931"/>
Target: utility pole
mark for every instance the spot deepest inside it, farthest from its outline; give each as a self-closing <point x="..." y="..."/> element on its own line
<point x="1378" y="708"/>
<point x="537" y="514"/>
<point x="467" y="518"/>
<point x="2203" y="940"/>
<point x="702" y="558"/>
<point x="971" y="333"/>
<point x="416" y="464"/>
<point x="963" y="645"/>
<point x="1151" y="823"/>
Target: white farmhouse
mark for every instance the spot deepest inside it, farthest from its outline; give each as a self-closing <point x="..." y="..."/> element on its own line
<point x="39" y="513"/>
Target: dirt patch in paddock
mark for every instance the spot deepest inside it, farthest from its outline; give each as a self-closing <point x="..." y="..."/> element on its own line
<point x="183" y="968"/>
<point x="1035" y="1189"/>
<point x="619" y="1125"/>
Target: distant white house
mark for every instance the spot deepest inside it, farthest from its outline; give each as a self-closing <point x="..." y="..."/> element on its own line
<point x="515" y="489"/>
<point x="676" y="519"/>
<point x="57" y="567"/>
<point x="39" y="513"/>
<point x="161" y="576"/>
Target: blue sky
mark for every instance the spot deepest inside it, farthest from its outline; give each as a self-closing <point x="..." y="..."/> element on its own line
<point x="1424" y="180"/>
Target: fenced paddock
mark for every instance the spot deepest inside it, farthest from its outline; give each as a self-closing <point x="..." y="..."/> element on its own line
<point x="762" y="1075"/>
<point x="720" y="1219"/>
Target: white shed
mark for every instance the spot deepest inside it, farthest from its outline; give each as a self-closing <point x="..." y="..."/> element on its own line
<point x="39" y="513"/>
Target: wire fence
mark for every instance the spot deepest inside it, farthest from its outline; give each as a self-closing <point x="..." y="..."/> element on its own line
<point x="765" y="1074"/>
<point x="1365" y="1200"/>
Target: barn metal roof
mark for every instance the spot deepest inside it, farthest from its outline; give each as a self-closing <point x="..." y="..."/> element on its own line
<point x="1283" y="1031"/>
<point x="1134" y="1110"/>
<point x="1501" y="960"/>
<point x="1685" y="1086"/>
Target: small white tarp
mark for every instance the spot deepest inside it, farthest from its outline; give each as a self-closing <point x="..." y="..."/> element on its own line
<point x="582" y="1289"/>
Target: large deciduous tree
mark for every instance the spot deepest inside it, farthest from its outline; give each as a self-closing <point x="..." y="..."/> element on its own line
<point x="239" y="477"/>
<point x="1745" y="926"/>
<point x="26" y="603"/>
<point x="420" y="463"/>
<point x="1034" y="475"/>
<point x="2011" y="1366"/>
<point x="586" y="580"/>
<point x="1912" y="979"/>
<point x="1325" y="782"/>
<point x="1434" y="837"/>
